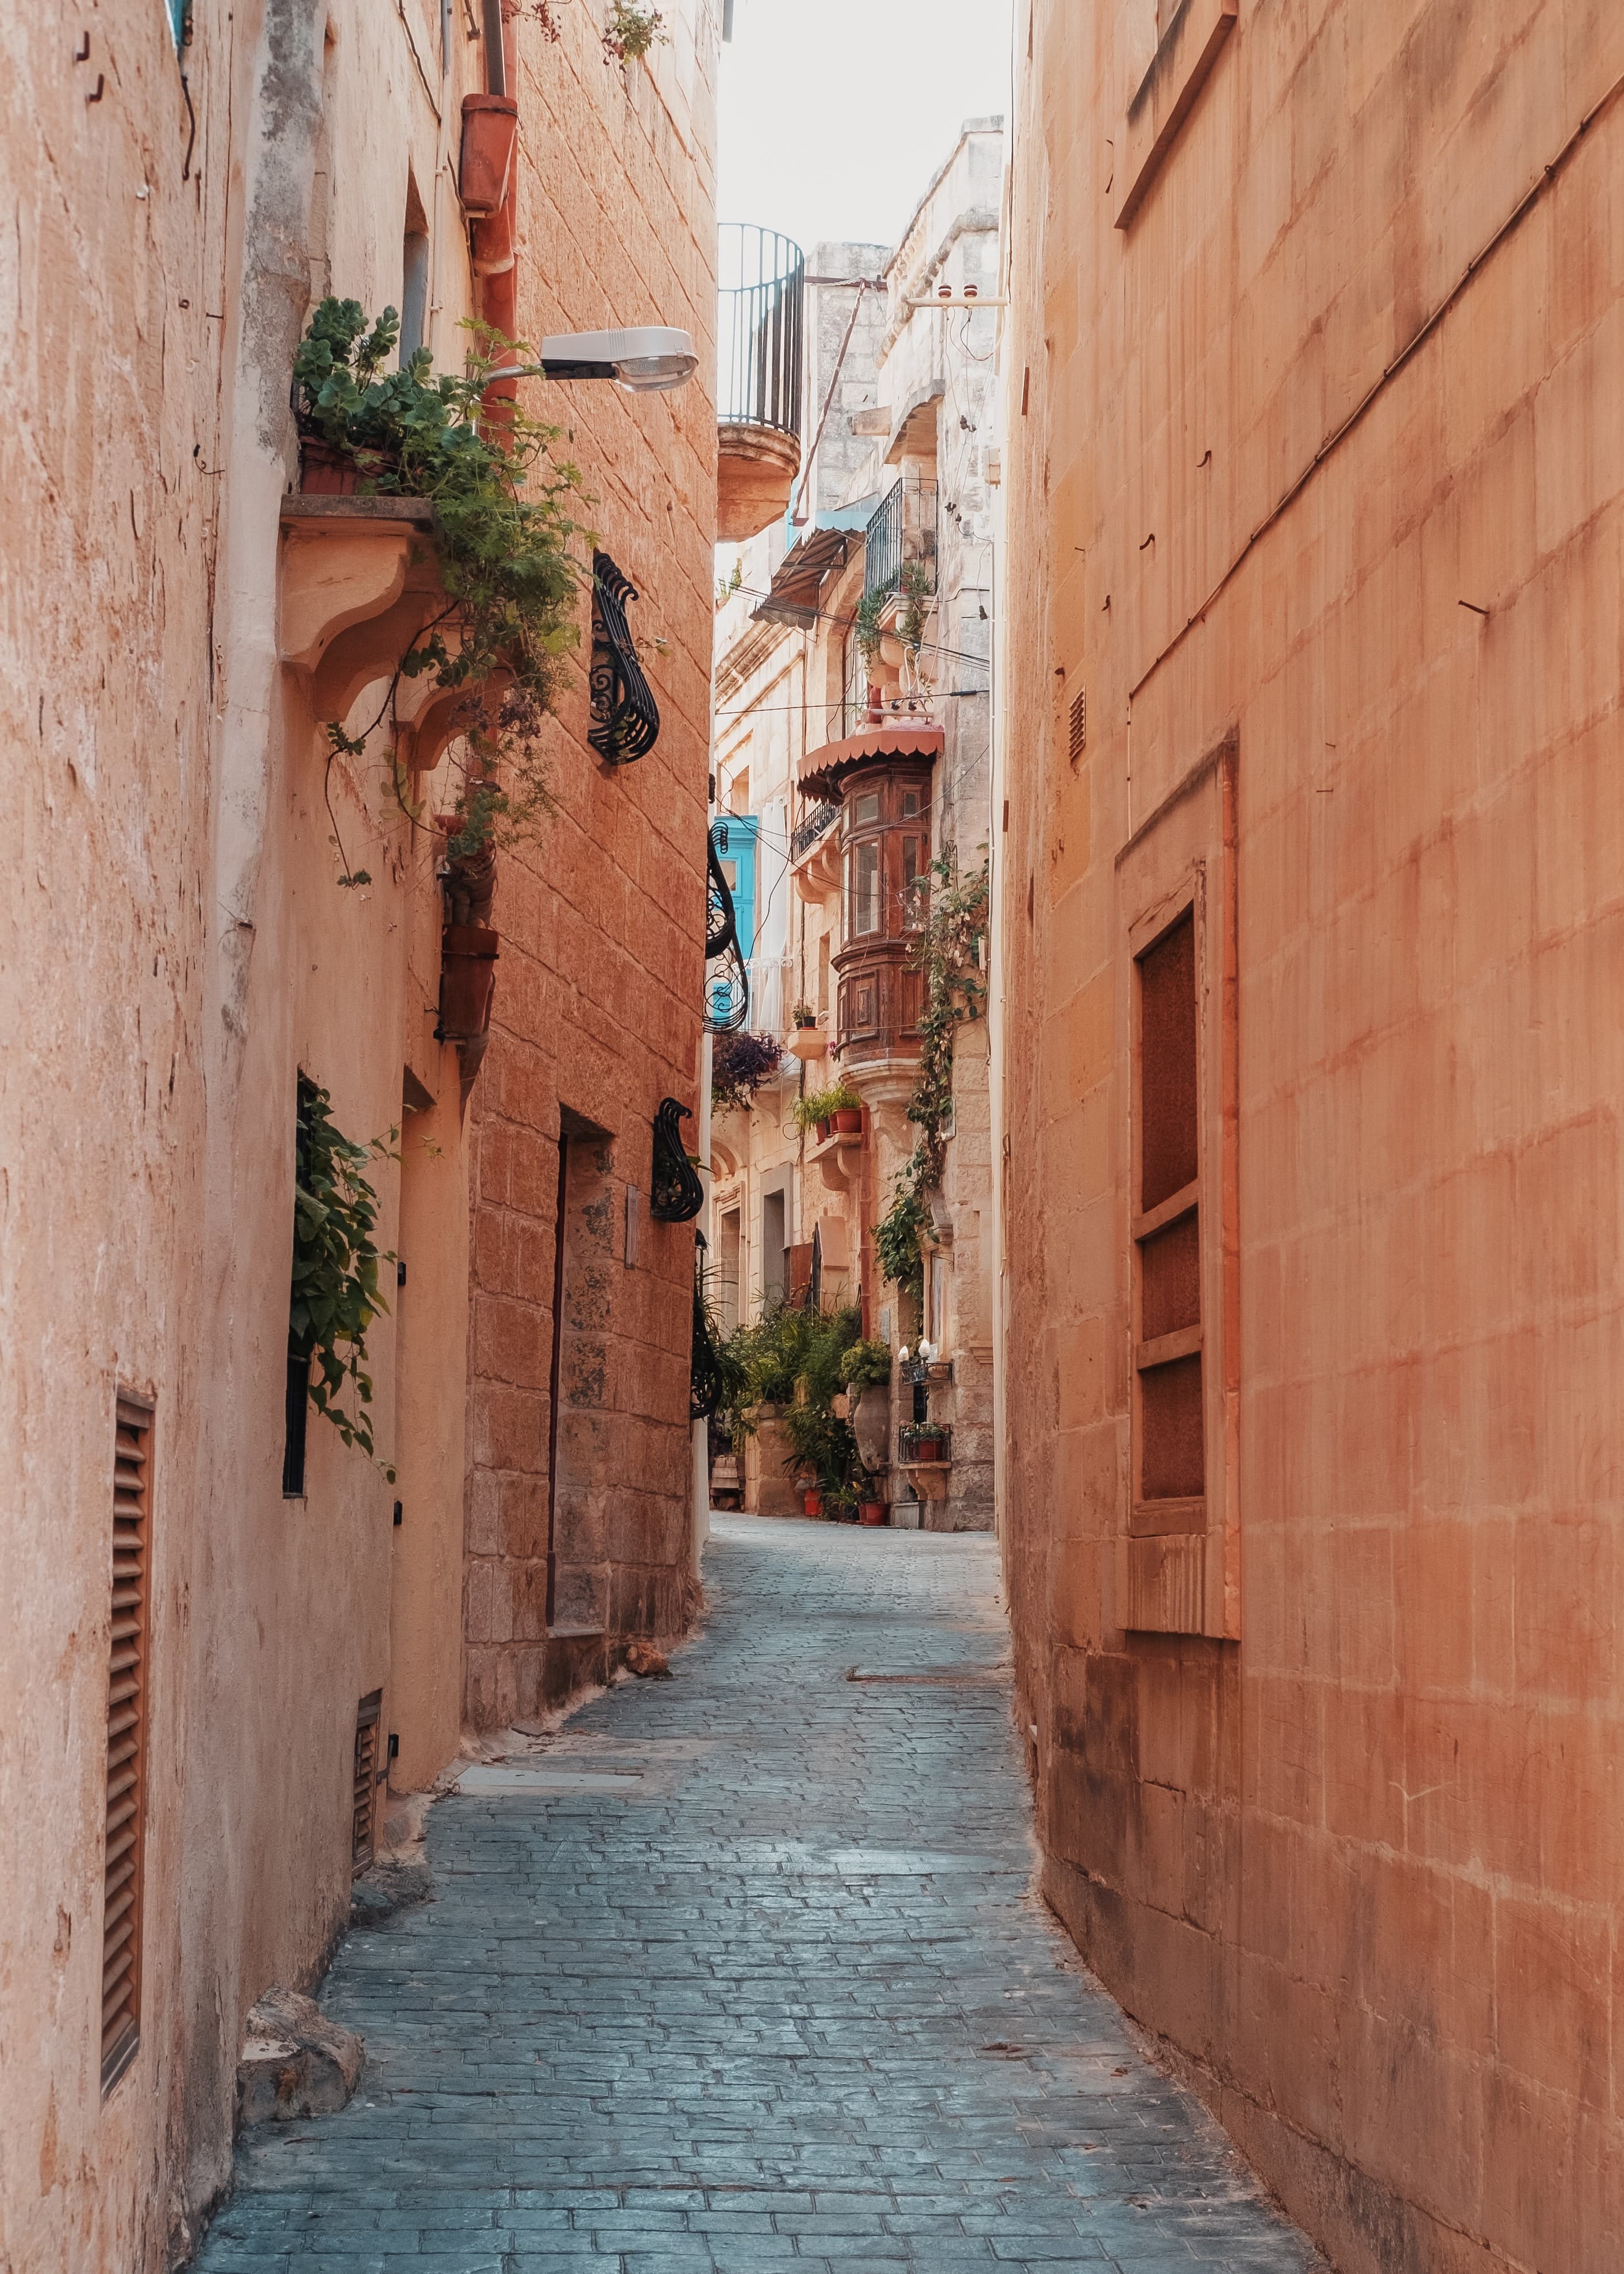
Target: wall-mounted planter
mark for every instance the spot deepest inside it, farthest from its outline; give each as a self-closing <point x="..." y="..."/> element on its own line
<point x="467" y="981"/>
<point x="490" y="128"/>
<point x="491" y="240"/>
<point x="325" y="471"/>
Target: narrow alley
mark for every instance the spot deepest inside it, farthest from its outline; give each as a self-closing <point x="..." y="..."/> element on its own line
<point x="746" y="1968"/>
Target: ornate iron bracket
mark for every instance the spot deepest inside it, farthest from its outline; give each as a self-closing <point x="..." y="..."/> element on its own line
<point x="721" y="924"/>
<point x="727" y="993"/>
<point x="675" y="1193"/>
<point x="625" y="715"/>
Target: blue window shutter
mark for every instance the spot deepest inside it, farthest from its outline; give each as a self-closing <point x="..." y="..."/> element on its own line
<point x="179" y="13"/>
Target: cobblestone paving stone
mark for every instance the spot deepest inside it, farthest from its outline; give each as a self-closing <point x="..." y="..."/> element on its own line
<point x="744" y="1971"/>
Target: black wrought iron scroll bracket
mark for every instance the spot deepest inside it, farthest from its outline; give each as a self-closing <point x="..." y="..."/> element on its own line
<point x="625" y="715"/>
<point x="675" y="1193"/>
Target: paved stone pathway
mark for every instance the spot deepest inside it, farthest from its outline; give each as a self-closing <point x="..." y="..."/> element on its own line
<point x="743" y="1972"/>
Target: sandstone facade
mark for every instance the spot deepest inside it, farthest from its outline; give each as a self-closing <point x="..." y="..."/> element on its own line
<point x="178" y="951"/>
<point x="906" y="469"/>
<point x="1310" y="937"/>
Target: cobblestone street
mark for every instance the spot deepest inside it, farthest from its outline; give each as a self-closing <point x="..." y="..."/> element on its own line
<point x="744" y="1971"/>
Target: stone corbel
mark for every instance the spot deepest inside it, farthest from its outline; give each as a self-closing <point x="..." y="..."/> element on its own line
<point x="428" y="717"/>
<point x="345" y="562"/>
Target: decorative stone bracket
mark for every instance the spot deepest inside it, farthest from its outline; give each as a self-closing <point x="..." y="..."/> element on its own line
<point x="359" y="582"/>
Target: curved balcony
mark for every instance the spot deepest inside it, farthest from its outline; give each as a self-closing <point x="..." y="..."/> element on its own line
<point x="759" y="331"/>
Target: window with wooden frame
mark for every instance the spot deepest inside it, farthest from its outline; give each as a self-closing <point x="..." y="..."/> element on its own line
<point x="1180" y="1568"/>
<point x="127" y="1696"/>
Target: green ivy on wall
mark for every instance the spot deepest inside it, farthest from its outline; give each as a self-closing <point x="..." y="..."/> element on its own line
<point x="946" y="952"/>
<point x="335" y="1291"/>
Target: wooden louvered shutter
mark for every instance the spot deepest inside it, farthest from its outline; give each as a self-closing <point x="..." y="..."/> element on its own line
<point x="126" y="1740"/>
<point x="366" y="1785"/>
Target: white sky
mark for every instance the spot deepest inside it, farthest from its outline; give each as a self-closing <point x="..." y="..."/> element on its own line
<point x="835" y="114"/>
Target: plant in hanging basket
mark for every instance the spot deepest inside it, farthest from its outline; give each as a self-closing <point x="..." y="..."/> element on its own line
<point x="740" y="1064"/>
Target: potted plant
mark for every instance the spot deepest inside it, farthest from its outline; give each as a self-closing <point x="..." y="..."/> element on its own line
<point x="841" y="1502"/>
<point x="870" y="1511"/>
<point x="844" y="1108"/>
<point x="865" y="1368"/>
<point x="812" y="1500"/>
<point x="804" y="1015"/>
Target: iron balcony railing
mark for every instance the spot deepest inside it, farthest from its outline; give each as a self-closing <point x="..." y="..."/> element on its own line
<point x="901" y="531"/>
<point x="813" y="823"/>
<point x="760" y="318"/>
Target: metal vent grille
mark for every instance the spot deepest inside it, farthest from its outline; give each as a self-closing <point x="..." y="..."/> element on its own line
<point x="1079" y="725"/>
<point x="362" y="1819"/>
<point x="126" y="1742"/>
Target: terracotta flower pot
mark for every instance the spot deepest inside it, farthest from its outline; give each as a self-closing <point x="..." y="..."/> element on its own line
<point x="326" y="470"/>
<point x="490" y="127"/>
<point x="823" y="1132"/>
<point x="467" y="980"/>
<point x="848" y="1120"/>
<point x="871" y="1512"/>
<point x="492" y="240"/>
<point x="871" y="1421"/>
<point x="812" y="1503"/>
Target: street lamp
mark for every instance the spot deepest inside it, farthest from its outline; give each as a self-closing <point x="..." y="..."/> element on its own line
<point x="647" y="360"/>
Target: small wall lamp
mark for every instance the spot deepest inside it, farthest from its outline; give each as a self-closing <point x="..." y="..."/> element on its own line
<point x="647" y="360"/>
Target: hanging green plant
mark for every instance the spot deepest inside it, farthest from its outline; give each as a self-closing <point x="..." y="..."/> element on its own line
<point x="867" y="625"/>
<point x="335" y="1293"/>
<point x="947" y="951"/>
<point x="633" y="29"/>
<point x="504" y="508"/>
<point x="915" y="587"/>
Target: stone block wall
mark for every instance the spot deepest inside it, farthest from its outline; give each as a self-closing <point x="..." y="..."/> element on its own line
<point x="598" y="988"/>
<point x="1357" y="1861"/>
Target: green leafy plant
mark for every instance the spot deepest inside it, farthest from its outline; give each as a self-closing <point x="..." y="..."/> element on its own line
<point x="867" y="624"/>
<point x="823" y="1104"/>
<point x="335" y="1295"/>
<point x="504" y="507"/>
<point x="633" y="29"/>
<point x="865" y="1363"/>
<point x="947" y="951"/>
<point x="791" y="1357"/>
<point x="915" y="587"/>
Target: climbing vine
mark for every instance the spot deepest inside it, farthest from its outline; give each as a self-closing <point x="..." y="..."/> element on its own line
<point x="335" y="1292"/>
<point x="946" y="952"/>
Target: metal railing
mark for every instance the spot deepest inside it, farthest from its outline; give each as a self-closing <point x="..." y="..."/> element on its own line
<point x="816" y="822"/>
<point x="759" y="330"/>
<point x="901" y="531"/>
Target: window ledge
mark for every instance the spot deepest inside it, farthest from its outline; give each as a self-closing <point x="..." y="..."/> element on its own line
<point x="1167" y="95"/>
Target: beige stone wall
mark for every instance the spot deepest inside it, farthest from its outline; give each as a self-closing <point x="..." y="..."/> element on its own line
<point x="1286" y="468"/>
<point x="178" y="949"/>
<point x="598" y="1001"/>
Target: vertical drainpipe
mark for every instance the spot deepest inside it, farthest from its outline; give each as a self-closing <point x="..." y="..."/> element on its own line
<point x="701" y="1429"/>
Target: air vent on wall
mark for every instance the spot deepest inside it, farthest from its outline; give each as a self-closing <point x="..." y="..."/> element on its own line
<point x="126" y="1742"/>
<point x="1079" y="736"/>
<point x="361" y="1841"/>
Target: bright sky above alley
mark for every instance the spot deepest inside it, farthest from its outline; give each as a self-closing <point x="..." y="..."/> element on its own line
<point x="835" y="114"/>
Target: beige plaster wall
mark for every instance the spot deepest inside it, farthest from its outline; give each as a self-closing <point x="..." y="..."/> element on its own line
<point x="176" y="948"/>
<point x="1360" y="1867"/>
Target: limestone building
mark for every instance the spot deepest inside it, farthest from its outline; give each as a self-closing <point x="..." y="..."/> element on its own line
<point x="853" y="748"/>
<point x="1308" y="949"/>
<point x="232" y="1636"/>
